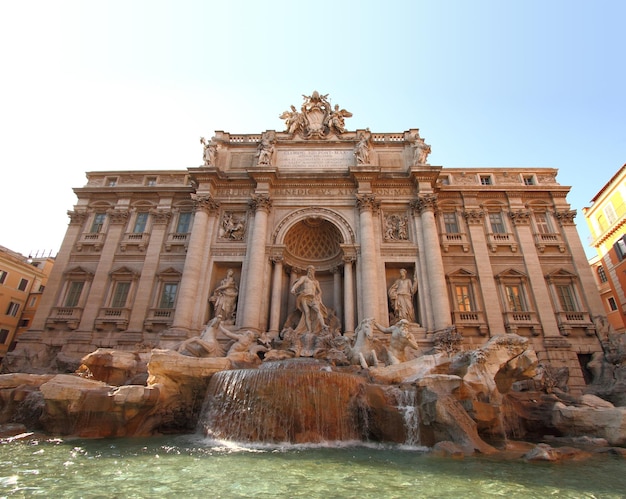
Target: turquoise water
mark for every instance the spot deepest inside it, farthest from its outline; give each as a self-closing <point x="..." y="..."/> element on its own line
<point x="191" y="466"/>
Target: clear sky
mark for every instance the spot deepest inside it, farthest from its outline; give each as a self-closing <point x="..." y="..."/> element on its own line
<point x="132" y="85"/>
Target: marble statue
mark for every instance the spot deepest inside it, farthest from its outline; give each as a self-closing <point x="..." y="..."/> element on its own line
<point x="362" y="149"/>
<point x="309" y="302"/>
<point x="362" y="351"/>
<point x="400" y="339"/>
<point x="265" y="150"/>
<point x="205" y="345"/>
<point x="421" y="150"/>
<point x="294" y="121"/>
<point x="336" y="121"/>
<point x="210" y="152"/>
<point x="401" y="297"/>
<point x="224" y="298"/>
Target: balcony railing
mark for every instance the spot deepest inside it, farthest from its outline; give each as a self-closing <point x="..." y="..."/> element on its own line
<point x="552" y="239"/>
<point x="117" y="316"/>
<point x="158" y="316"/>
<point x="70" y="316"/>
<point x="495" y="239"/>
<point x="176" y="239"/>
<point x="138" y="239"/>
<point x="454" y="239"/>
<point x="95" y="239"/>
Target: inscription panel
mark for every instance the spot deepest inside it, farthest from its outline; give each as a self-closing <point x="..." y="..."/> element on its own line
<point x="333" y="158"/>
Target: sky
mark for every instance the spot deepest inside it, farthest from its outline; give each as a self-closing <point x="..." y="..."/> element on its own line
<point x="133" y="85"/>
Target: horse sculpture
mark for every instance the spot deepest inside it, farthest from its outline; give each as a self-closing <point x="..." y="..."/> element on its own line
<point x="362" y="351"/>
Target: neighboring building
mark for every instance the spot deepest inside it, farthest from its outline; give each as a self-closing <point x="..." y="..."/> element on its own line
<point x="606" y="218"/>
<point x="22" y="281"/>
<point x="491" y="250"/>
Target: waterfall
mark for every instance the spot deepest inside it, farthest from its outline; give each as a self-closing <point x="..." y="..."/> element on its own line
<point x="408" y="407"/>
<point x="285" y="402"/>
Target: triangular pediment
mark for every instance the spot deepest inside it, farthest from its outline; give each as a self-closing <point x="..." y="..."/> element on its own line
<point x="511" y="273"/>
<point x="462" y="273"/>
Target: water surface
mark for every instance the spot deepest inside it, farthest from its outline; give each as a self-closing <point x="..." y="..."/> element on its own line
<point x="192" y="466"/>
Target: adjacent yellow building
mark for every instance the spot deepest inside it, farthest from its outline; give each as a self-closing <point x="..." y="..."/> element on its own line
<point x="606" y="217"/>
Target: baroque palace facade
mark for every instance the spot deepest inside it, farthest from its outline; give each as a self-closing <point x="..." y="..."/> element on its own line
<point x="488" y="251"/>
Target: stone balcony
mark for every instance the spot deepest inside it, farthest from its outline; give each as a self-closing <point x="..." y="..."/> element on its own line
<point x="138" y="240"/>
<point x="68" y="316"/>
<point x="474" y="319"/>
<point x="156" y="316"/>
<point x="177" y="239"/>
<point x="118" y="317"/>
<point x="553" y="239"/>
<point x="95" y="239"/>
<point x="454" y="239"/>
<point x="495" y="239"/>
<point x="514" y="320"/>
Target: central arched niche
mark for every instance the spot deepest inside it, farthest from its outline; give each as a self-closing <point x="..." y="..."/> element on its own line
<point x="313" y="241"/>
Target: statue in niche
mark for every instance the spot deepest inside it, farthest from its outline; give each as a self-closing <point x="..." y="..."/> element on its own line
<point x="309" y="302"/>
<point x="336" y="121"/>
<point x="401" y="297"/>
<point x="265" y="150"/>
<point x="396" y="228"/>
<point x="205" y="345"/>
<point x="362" y="149"/>
<point x="401" y="338"/>
<point x="224" y="298"/>
<point x="233" y="227"/>
<point x="210" y="152"/>
<point x="421" y="150"/>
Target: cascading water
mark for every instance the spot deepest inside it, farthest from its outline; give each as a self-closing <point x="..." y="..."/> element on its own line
<point x="285" y="401"/>
<point x="408" y="407"/>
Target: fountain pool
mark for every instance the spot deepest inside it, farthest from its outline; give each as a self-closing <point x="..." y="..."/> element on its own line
<point x="192" y="466"/>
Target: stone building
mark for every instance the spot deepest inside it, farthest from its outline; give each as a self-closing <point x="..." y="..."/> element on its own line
<point x="488" y="251"/>
<point x="606" y="218"/>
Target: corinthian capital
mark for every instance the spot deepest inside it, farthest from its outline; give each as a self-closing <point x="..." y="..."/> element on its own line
<point x="565" y="217"/>
<point x="261" y="202"/>
<point x="425" y="203"/>
<point x="77" y="217"/>
<point x="205" y="203"/>
<point x="367" y="202"/>
<point x="520" y="217"/>
<point x="118" y="216"/>
<point x="474" y="216"/>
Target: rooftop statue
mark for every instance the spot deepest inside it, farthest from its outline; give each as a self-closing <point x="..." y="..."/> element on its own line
<point x="316" y="118"/>
<point x="421" y="150"/>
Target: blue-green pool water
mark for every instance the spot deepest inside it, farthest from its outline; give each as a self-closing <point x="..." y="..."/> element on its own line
<point x="192" y="466"/>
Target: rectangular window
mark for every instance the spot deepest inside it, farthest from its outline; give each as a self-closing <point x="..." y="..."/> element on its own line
<point x="541" y="220"/>
<point x="602" y="274"/>
<point x="609" y="211"/>
<point x="98" y="222"/>
<point x="23" y="284"/>
<point x="485" y="180"/>
<point x="168" y="295"/>
<point x="23" y="323"/>
<point x="612" y="303"/>
<point x="140" y="222"/>
<point x="3" y="276"/>
<point x="111" y="181"/>
<point x="567" y="299"/>
<point x="529" y="180"/>
<point x="120" y="294"/>
<point x="601" y="223"/>
<point x="151" y="181"/>
<point x="4" y="334"/>
<point x="33" y="301"/>
<point x="449" y="219"/>
<point x="184" y="221"/>
<point x="13" y="309"/>
<point x="497" y="223"/>
<point x="464" y="298"/>
<point x="620" y="248"/>
<point x="73" y="293"/>
<point x="515" y="298"/>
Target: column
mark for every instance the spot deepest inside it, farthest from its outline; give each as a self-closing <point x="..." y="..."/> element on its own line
<point x="348" y="295"/>
<point x="491" y="300"/>
<point x="277" y="287"/>
<point x="337" y="305"/>
<point x="367" y="205"/>
<point x="206" y="208"/>
<point x="536" y="279"/>
<point x="50" y="298"/>
<point x="95" y="300"/>
<point x="425" y="206"/>
<point x="145" y="286"/>
<point x="261" y="203"/>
